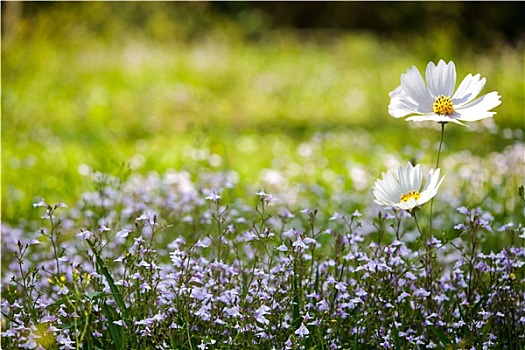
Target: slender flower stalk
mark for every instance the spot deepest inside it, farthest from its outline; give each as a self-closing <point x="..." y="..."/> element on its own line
<point x="437" y="166"/>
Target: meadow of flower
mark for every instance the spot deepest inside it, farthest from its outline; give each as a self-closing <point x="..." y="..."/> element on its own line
<point x="164" y="261"/>
<point x="319" y="222"/>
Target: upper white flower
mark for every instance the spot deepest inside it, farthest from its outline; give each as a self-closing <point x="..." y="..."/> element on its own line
<point x="436" y="100"/>
<point x="404" y="192"/>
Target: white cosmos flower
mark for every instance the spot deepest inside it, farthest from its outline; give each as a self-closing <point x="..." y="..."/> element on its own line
<point x="404" y="192"/>
<point x="436" y="100"/>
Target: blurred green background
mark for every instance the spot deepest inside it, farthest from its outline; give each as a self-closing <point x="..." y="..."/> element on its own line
<point x="87" y="86"/>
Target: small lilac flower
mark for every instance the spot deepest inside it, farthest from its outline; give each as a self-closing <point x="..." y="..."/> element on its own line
<point x="47" y="215"/>
<point x="463" y="210"/>
<point x="402" y="296"/>
<point x="120" y="323"/>
<point x="460" y="227"/>
<point x="259" y="314"/>
<point x="308" y="240"/>
<point x="506" y="227"/>
<point x="213" y="197"/>
<point x="145" y="286"/>
<point x="97" y="334"/>
<point x="290" y="234"/>
<point x="203" y="243"/>
<point x="85" y="234"/>
<point x="250" y="236"/>
<point x="63" y="290"/>
<point x="431" y="345"/>
<point x="103" y="228"/>
<point x="302" y="331"/>
<point x="420" y="292"/>
<point x="299" y="244"/>
<point x="356" y="301"/>
<point x="336" y="216"/>
<point x="288" y="215"/>
<point x="485" y="224"/>
<point x="34" y="241"/>
<point x="65" y="342"/>
<point x="143" y="263"/>
<point x="40" y="204"/>
<point x="261" y="193"/>
<point x="282" y="248"/>
<point x="143" y="217"/>
<point x="9" y="333"/>
<point x="146" y="321"/>
<point x="48" y="319"/>
<point x="357" y="214"/>
<point x="340" y="286"/>
<point x="200" y="293"/>
<point x="123" y="233"/>
<point x="233" y="312"/>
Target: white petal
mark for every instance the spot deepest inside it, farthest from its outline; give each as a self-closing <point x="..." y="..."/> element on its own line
<point x="402" y="174"/>
<point x="416" y="178"/>
<point x="398" y="92"/>
<point x="386" y="190"/>
<point x="412" y="175"/>
<point x="479" y="108"/>
<point x="401" y="107"/>
<point x="415" y="87"/>
<point x="441" y="79"/>
<point x="431" y="187"/>
<point x="393" y="188"/>
<point x="382" y="196"/>
<point x="432" y="179"/>
<point x="379" y="191"/>
<point x="469" y="88"/>
<point x="406" y="205"/>
<point x="434" y="117"/>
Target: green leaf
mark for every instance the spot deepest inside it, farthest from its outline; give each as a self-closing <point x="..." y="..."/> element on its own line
<point x="116" y="333"/>
<point x="102" y="268"/>
<point x="396" y="336"/>
<point x="96" y="295"/>
<point x="440" y="335"/>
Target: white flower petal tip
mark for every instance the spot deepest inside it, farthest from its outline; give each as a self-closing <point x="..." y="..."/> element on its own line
<point x="434" y="98"/>
<point x="405" y="191"/>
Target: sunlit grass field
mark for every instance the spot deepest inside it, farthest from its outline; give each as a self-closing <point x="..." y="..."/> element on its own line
<point x="77" y="96"/>
<point x="159" y="114"/>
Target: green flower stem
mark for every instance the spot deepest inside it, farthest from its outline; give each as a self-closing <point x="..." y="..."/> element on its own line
<point x="428" y="258"/>
<point x="437" y="166"/>
<point x="413" y="213"/>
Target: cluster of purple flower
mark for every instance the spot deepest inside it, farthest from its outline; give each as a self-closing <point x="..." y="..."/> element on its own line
<point x="255" y="277"/>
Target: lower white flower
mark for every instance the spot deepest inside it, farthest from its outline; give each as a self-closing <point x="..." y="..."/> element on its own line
<point x="404" y="192"/>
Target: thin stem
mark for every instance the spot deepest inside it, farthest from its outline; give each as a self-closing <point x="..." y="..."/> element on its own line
<point x="413" y="212"/>
<point x="440" y="143"/>
<point x="427" y="258"/>
<point x="437" y="166"/>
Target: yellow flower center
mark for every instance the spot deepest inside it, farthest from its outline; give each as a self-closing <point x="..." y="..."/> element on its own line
<point x="412" y="194"/>
<point x="443" y="105"/>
